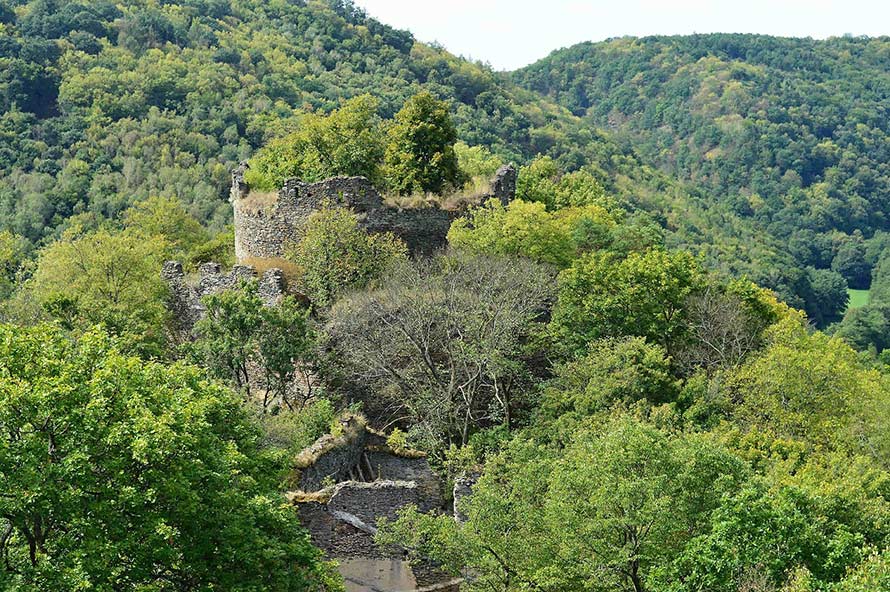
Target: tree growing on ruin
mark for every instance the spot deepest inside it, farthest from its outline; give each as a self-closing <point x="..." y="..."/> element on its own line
<point x="255" y="347"/>
<point x="336" y="255"/>
<point x="348" y="141"/>
<point x="420" y="154"/>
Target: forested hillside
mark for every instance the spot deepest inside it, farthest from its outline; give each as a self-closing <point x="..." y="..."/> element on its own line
<point x="790" y="134"/>
<point x="616" y="359"/>
<point x="106" y="103"/>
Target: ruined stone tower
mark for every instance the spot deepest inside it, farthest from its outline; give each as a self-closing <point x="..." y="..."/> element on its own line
<point x="267" y="224"/>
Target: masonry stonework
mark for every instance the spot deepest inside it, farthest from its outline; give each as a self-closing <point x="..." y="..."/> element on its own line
<point x="349" y="481"/>
<point x="266" y="225"/>
<point x="184" y="299"/>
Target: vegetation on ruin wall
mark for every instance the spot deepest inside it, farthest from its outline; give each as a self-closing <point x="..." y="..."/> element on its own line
<point x="643" y="415"/>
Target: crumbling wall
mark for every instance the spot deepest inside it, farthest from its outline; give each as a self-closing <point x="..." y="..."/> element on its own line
<point x="267" y="225"/>
<point x="503" y="185"/>
<point x="368" y="502"/>
<point x="349" y="481"/>
<point x="463" y="489"/>
<point x="184" y="298"/>
<point x="332" y="458"/>
<point x="416" y="469"/>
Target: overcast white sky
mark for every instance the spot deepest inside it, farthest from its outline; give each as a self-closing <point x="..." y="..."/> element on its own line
<point x="512" y="33"/>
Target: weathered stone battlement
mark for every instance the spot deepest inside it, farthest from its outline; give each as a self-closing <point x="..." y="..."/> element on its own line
<point x="267" y="224"/>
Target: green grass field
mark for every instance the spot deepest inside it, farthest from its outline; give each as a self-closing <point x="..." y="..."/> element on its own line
<point x="858" y="298"/>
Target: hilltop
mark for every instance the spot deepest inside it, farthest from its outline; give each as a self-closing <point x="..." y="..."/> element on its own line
<point x="105" y="104"/>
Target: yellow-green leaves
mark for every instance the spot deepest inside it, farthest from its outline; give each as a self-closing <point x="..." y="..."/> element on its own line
<point x="527" y="229"/>
<point x="349" y="141"/>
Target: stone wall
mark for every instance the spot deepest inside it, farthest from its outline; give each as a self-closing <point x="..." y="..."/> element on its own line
<point x="368" y="502"/>
<point x="463" y="489"/>
<point x="332" y="458"/>
<point x="267" y="224"/>
<point x="349" y="481"/>
<point x="184" y="300"/>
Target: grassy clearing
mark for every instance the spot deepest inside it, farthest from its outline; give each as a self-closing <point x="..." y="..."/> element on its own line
<point x="858" y="298"/>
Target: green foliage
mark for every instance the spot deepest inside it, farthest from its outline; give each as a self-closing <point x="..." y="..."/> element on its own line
<point x="788" y="534"/>
<point x="168" y="219"/>
<point x="336" y="255"/>
<point x="420" y="154"/>
<point x="290" y="433"/>
<point x="614" y="371"/>
<point x="242" y="341"/>
<point x="801" y="182"/>
<point x="815" y="389"/>
<point x="851" y="264"/>
<point x="543" y="181"/>
<point x="109" y="278"/>
<point x="623" y="498"/>
<point x="476" y="161"/>
<point x="12" y="255"/>
<point x="643" y="294"/>
<point x="218" y="249"/>
<point x="348" y="141"/>
<point x="528" y="230"/>
<point x="117" y="470"/>
<point x="397" y="440"/>
<point x="871" y="574"/>
<point x="868" y="325"/>
<point x="828" y="299"/>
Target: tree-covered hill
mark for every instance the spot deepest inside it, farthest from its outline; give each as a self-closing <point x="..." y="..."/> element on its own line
<point x="106" y="104"/>
<point x="103" y="104"/>
<point x="789" y="133"/>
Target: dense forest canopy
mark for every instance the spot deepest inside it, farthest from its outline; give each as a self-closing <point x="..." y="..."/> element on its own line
<point x="104" y="104"/>
<point x="790" y="134"/>
<point x="645" y="361"/>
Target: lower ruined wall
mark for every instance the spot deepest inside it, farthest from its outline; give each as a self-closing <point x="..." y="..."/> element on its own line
<point x="379" y="499"/>
<point x="336" y="537"/>
<point x="331" y="458"/>
<point x="184" y="299"/>
<point x="343" y="519"/>
<point x="387" y="465"/>
<point x="347" y="484"/>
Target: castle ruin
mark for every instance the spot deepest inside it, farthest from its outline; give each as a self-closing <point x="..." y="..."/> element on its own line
<point x="267" y="224"/>
<point x="346" y="483"/>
